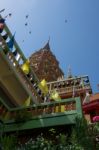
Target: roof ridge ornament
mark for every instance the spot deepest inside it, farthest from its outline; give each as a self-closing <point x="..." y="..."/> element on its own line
<point x="47" y="46"/>
<point x="69" y="73"/>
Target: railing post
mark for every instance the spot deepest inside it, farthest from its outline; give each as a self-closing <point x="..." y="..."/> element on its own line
<point x="78" y="106"/>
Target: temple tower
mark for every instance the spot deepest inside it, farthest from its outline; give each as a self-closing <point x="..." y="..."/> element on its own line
<point x="45" y="64"/>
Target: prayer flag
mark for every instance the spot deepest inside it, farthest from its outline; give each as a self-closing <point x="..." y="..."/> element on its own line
<point x="57" y="109"/>
<point x="87" y="98"/>
<point x="2" y="10"/>
<point x="15" y="53"/>
<point x="55" y="96"/>
<point x="62" y="108"/>
<point x="11" y="42"/>
<point x="5" y="36"/>
<point x="2" y="20"/>
<point x="86" y="80"/>
<point x="18" y="56"/>
<point x="43" y="86"/>
<point x="2" y="24"/>
<point x="27" y="102"/>
<point x="7" y="115"/>
<point x="82" y="83"/>
<point x="25" y="67"/>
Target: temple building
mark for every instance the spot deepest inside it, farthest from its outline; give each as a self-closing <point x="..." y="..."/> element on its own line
<point x="45" y="65"/>
<point x="29" y="106"/>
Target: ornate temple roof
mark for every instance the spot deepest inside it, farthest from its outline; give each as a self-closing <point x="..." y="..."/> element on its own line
<point x="45" y="64"/>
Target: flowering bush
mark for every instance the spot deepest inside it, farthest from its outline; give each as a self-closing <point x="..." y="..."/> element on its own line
<point x="83" y="137"/>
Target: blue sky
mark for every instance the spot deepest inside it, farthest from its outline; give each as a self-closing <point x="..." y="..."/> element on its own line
<point x="75" y="42"/>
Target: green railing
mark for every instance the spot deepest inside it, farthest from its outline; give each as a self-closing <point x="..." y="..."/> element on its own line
<point x="43" y="115"/>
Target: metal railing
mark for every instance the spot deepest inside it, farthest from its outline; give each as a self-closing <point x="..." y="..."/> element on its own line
<point x="72" y="105"/>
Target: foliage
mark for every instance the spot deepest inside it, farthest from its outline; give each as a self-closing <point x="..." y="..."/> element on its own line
<point x="96" y="128"/>
<point x="39" y="143"/>
<point x="83" y="134"/>
<point x="22" y="116"/>
<point x="8" y="142"/>
<point x="82" y="138"/>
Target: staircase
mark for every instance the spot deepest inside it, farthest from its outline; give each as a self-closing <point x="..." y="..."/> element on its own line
<point x="16" y="84"/>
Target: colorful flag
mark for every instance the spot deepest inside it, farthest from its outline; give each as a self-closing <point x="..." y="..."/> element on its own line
<point x="15" y="53"/>
<point x="86" y="80"/>
<point x="7" y="116"/>
<point x="82" y="83"/>
<point x="2" y="21"/>
<point x="9" y="15"/>
<point x="2" y="10"/>
<point x="27" y="102"/>
<point x="43" y="86"/>
<point x="11" y="42"/>
<point x="25" y="67"/>
<point x="18" y="56"/>
<point x="56" y="109"/>
<point x="27" y="16"/>
<point x="62" y="108"/>
<point x="87" y="98"/>
<point x="55" y="96"/>
<point x="96" y="119"/>
<point x="5" y="36"/>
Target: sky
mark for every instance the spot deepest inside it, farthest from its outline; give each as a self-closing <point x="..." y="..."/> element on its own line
<point x="73" y="28"/>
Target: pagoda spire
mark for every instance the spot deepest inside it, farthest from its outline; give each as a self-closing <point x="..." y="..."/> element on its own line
<point x="47" y="46"/>
<point x="69" y="73"/>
